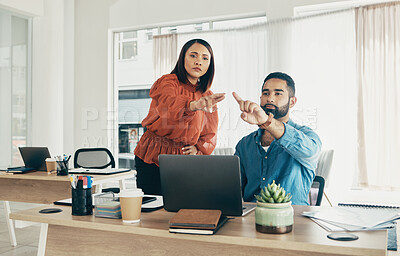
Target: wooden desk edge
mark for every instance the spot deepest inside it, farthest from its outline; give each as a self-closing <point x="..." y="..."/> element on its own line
<point x="42" y="175"/>
<point x="223" y="239"/>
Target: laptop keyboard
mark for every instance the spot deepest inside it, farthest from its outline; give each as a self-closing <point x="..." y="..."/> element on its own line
<point x="248" y="207"/>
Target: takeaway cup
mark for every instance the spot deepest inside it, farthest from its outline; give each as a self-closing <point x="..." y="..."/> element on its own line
<point x="51" y="165"/>
<point x="131" y="205"/>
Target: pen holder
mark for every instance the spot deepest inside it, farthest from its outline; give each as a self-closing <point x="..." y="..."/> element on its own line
<point x="82" y="201"/>
<point x="62" y="169"/>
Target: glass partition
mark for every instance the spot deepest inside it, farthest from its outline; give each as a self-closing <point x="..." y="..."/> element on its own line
<point x="15" y="84"/>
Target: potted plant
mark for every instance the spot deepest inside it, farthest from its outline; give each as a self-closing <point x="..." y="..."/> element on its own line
<point x="274" y="212"/>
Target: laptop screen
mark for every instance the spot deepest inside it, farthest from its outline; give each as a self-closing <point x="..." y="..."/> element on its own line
<point x="34" y="157"/>
<point x="201" y="182"/>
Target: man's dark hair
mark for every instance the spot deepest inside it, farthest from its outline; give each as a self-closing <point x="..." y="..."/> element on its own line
<point x="180" y="71"/>
<point x="285" y="77"/>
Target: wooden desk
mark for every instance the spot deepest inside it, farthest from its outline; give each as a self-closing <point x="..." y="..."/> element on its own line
<point x="43" y="188"/>
<point x="79" y="235"/>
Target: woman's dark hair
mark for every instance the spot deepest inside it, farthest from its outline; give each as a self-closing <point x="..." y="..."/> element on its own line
<point x="180" y="71"/>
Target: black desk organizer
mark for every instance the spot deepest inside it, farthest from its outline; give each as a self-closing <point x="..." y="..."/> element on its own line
<point x="82" y="200"/>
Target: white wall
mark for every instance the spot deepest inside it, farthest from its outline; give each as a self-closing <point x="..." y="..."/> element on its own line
<point x="128" y="13"/>
<point x="69" y="80"/>
<point x="26" y="7"/>
<point x="47" y="77"/>
<point x="90" y="96"/>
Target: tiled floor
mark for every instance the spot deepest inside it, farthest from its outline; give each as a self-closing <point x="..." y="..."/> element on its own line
<point x="27" y="238"/>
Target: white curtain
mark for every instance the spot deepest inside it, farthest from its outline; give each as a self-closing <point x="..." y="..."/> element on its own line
<point x="378" y="69"/>
<point x="279" y="45"/>
<point x="164" y="54"/>
<point x="323" y="67"/>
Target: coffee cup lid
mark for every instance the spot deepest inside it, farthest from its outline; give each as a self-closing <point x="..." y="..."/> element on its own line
<point x="50" y="160"/>
<point x="131" y="193"/>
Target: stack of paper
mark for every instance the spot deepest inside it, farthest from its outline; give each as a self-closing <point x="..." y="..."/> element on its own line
<point x="108" y="209"/>
<point x="353" y="219"/>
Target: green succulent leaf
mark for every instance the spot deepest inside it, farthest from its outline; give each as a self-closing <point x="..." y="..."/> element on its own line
<point x="273" y="193"/>
<point x="266" y="192"/>
<point x="259" y="198"/>
<point x="269" y="188"/>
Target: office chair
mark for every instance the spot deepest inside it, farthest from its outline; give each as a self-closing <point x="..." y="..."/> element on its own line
<point x="223" y="151"/>
<point x="324" y="167"/>
<point x="319" y="191"/>
<point x="324" y="163"/>
<point x="95" y="158"/>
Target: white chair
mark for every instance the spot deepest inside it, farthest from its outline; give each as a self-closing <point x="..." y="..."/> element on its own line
<point x="223" y="151"/>
<point x="324" y="163"/>
<point x="323" y="169"/>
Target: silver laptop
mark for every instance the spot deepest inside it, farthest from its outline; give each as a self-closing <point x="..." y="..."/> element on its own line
<point x="202" y="182"/>
<point x="106" y="171"/>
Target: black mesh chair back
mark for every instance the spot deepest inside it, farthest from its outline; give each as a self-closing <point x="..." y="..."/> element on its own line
<point x="93" y="158"/>
<point x="317" y="191"/>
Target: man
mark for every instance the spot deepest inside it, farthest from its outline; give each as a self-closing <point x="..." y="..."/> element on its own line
<point x="280" y="149"/>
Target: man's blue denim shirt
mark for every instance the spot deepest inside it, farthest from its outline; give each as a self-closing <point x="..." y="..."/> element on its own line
<point x="290" y="161"/>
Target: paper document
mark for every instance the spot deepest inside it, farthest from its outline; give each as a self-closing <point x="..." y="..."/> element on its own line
<point x="354" y="218"/>
<point x="341" y="227"/>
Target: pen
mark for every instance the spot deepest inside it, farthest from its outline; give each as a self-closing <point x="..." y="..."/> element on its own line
<point x="72" y="179"/>
<point x="85" y="182"/>
<point x="89" y="181"/>
<point x="80" y="183"/>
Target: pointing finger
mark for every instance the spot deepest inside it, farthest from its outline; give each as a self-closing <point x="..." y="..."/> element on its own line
<point x="218" y="99"/>
<point x="237" y="98"/>
<point x="218" y="95"/>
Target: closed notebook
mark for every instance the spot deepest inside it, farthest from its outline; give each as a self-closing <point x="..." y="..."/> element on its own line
<point x="19" y="170"/>
<point x="195" y="219"/>
<point x="198" y="231"/>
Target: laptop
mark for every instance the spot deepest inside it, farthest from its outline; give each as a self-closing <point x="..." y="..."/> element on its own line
<point x="106" y="171"/>
<point x="34" y="157"/>
<point x="202" y="182"/>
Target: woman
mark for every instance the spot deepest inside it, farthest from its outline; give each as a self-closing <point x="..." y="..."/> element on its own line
<point x="182" y="118"/>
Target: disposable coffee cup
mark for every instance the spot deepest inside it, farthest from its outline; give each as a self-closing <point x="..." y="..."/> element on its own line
<point x="131" y="205"/>
<point x="51" y="165"/>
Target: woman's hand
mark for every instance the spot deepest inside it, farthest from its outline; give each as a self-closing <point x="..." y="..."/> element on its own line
<point x="207" y="103"/>
<point x="189" y="150"/>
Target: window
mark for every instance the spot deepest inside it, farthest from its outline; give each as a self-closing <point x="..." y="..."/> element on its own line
<point x="185" y="28"/>
<point x="127" y="45"/>
<point x="15" y="84"/>
<point x="225" y="24"/>
<point x="134" y="76"/>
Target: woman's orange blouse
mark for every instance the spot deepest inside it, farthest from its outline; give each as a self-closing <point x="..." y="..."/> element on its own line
<point x="171" y="124"/>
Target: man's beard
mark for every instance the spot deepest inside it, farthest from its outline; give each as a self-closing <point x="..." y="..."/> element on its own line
<point x="277" y="112"/>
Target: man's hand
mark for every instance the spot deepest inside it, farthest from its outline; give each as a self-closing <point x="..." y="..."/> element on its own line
<point x="252" y="113"/>
<point x="189" y="150"/>
<point x="207" y="103"/>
